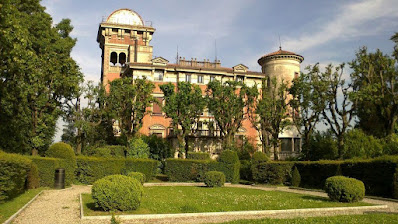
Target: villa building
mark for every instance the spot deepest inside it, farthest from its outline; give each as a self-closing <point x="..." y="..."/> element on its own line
<point x="124" y="39"/>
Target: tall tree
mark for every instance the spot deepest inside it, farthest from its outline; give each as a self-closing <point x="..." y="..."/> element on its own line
<point x="375" y="80"/>
<point x="184" y="104"/>
<point x="127" y="102"/>
<point x="37" y="74"/>
<point x="339" y="109"/>
<point x="270" y="113"/>
<point x="307" y="103"/>
<point x="226" y="101"/>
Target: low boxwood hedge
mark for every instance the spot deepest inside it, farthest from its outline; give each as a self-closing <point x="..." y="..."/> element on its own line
<point x="14" y="170"/>
<point x="90" y="169"/>
<point x="214" y="179"/>
<point x="198" y="155"/>
<point x="272" y="172"/>
<point x="344" y="189"/>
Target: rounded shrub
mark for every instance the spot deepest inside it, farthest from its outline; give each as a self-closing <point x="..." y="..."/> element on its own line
<point x="64" y="151"/>
<point x="138" y="149"/>
<point x="138" y="176"/>
<point x="214" y="179"/>
<point x="228" y="156"/>
<point x="296" y="177"/>
<point x="259" y="157"/>
<point x="117" y="192"/>
<point x="344" y="189"/>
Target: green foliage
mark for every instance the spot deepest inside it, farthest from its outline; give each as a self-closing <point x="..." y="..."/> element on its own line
<point x="198" y="155"/>
<point x="244" y="154"/>
<point x="259" y="157"/>
<point x="138" y="149"/>
<point x="245" y="171"/>
<point x="159" y="148"/>
<point x="358" y="144"/>
<point x="296" y="178"/>
<point x="127" y="101"/>
<point x="117" y="192"/>
<point x="214" y="179"/>
<point x="14" y="171"/>
<point x="33" y="179"/>
<point x="90" y="169"/>
<point x="322" y="145"/>
<point x="272" y="172"/>
<point x="314" y="174"/>
<point x="183" y="105"/>
<point x="46" y="167"/>
<point x="64" y="151"/>
<point x="115" y="220"/>
<point x="138" y="176"/>
<point x="390" y="146"/>
<point x="107" y="151"/>
<point x="184" y="170"/>
<point x="228" y="157"/>
<point x="37" y="75"/>
<point x="344" y="189"/>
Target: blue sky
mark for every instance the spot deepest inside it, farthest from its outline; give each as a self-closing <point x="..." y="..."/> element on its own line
<point x="321" y="31"/>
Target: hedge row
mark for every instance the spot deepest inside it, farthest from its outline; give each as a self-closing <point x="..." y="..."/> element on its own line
<point x="16" y="174"/>
<point x="380" y="176"/>
<point x="198" y="155"/>
<point x="47" y="166"/>
<point x="182" y="170"/>
<point x="90" y="169"/>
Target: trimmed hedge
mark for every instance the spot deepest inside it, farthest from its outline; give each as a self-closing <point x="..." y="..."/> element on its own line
<point x="183" y="170"/>
<point x="214" y="179"/>
<point x="117" y="192"/>
<point x="245" y="170"/>
<point x="90" y="169"/>
<point x="296" y="178"/>
<point x="344" y="189"/>
<point x="14" y="171"/>
<point x="272" y="172"/>
<point x="65" y="152"/>
<point x="46" y="168"/>
<point x="108" y="151"/>
<point x="198" y="155"/>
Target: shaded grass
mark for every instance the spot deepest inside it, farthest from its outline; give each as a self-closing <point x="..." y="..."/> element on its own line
<point x="184" y="199"/>
<point x="372" y="218"/>
<point x="8" y="208"/>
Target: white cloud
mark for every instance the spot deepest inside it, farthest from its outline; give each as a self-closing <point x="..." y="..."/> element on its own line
<point x="352" y="21"/>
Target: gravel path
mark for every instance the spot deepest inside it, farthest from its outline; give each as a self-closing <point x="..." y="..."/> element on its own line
<point x="54" y="206"/>
<point x="62" y="206"/>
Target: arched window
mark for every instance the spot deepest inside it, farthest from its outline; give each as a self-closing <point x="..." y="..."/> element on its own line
<point x="122" y="58"/>
<point x="113" y="59"/>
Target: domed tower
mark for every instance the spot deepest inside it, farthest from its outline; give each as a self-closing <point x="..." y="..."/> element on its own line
<point x="123" y="38"/>
<point x="284" y="65"/>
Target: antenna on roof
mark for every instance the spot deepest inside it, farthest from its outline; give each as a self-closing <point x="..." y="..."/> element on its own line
<point x="280" y="45"/>
<point x="177" y="59"/>
<point x="215" y="49"/>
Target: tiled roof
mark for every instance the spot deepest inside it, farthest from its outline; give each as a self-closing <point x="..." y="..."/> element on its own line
<point x="280" y="52"/>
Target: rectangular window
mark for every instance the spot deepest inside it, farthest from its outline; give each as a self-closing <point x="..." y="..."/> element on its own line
<point x="286" y="144"/>
<point x="157" y="106"/>
<point x="158" y="75"/>
<point x="187" y="78"/>
<point x="297" y="144"/>
<point x="240" y="79"/>
<point x="200" y="78"/>
<point x="212" y="78"/>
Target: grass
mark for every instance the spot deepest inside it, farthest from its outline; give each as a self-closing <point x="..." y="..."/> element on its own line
<point x="8" y="208"/>
<point x="178" y="199"/>
<point x="372" y="218"/>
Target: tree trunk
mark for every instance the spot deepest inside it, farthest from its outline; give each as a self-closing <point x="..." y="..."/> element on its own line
<point x="340" y="145"/>
<point x="79" y="142"/>
<point x="186" y="140"/>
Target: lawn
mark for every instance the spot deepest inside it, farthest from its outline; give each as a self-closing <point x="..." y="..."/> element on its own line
<point x="178" y="199"/>
<point x="8" y="208"/>
<point x="372" y="218"/>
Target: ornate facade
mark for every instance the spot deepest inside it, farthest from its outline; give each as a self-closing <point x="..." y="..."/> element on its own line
<point x="124" y="39"/>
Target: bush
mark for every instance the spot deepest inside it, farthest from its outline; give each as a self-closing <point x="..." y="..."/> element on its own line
<point x="214" y="179"/>
<point x="64" y="151"/>
<point x="159" y="148"/>
<point x="272" y="172"/>
<point x="138" y="176"/>
<point x="138" y="149"/>
<point x="107" y="151"/>
<point x="46" y="167"/>
<point x="245" y="170"/>
<point x="313" y="174"/>
<point x="102" y="152"/>
<point x="117" y="192"/>
<point x="359" y="145"/>
<point x="322" y="146"/>
<point x="390" y="145"/>
<point x="296" y="178"/>
<point x="33" y="180"/>
<point x="183" y="170"/>
<point x="344" y="189"/>
<point x="198" y="155"/>
<point x="14" y="171"/>
<point x="260" y="157"/>
<point x="90" y="169"/>
<point x="228" y="157"/>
